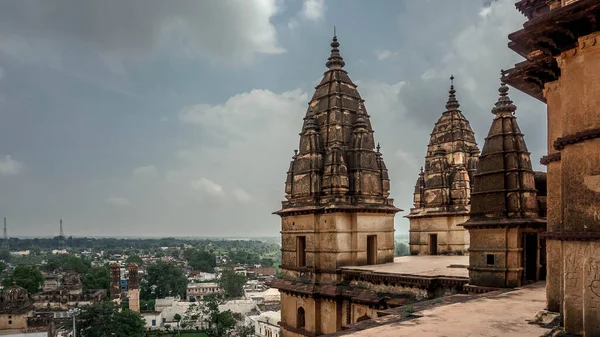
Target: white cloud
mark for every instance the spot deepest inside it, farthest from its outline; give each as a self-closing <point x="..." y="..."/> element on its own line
<point x="385" y="54"/>
<point x="9" y="166"/>
<point x="149" y="171"/>
<point x="1" y="73"/>
<point x="382" y="98"/>
<point x="313" y="9"/>
<point x="241" y="194"/>
<point x="117" y="201"/>
<point x="208" y="186"/>
<point x="430" y="74"/>
<point x="245" y="110"/>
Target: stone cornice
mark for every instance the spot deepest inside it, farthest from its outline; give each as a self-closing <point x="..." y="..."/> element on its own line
<point x="364" y="208"/>
<point x="575" y="138"/>
<point x="549" y="158"/>
<point x="507" y="222"/>
<point x="571" y="236"/>
<point x="546" y="40"/>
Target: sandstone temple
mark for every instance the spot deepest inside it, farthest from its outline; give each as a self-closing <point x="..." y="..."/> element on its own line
<point x="442" y="197"/>
<point x="495" y="246"/>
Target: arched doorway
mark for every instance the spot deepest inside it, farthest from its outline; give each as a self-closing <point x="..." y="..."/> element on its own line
<point x="300" y="318"/>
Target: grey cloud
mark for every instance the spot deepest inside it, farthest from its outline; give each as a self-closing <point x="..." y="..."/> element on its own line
<point x="218" y="29"/>
<point x="10" y="166"/>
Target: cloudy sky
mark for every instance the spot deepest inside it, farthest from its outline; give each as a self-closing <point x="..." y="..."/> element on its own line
<point x="155" y="118"/>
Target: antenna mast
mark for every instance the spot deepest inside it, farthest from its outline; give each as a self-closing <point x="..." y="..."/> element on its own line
<point x="61" y="237"/>
<point x="5" y="242"/>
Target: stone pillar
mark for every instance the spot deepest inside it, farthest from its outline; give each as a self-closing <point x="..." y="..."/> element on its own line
<point x="554" y="248"/>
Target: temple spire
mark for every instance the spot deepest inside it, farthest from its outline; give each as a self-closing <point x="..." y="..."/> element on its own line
<point x="505" y="104"/>
<point x="335" y="60"/>
<point x="452" y="104"/>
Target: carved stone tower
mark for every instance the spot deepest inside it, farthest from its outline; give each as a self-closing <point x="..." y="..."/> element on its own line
<point x="442" y="197"/>
<point x="505" y="219"/>
<point x="133" y="287"/>
<point x="561" y="44"/>
<point x="338" y="211"/>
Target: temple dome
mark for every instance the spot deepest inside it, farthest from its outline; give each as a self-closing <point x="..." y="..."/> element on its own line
<point x="337" y="162"/>
<point x="450" y="162"/>
<point x="505" y="180"/>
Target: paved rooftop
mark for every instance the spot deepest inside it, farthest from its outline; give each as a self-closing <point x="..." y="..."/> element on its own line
<point x="422" y="265"/>
<point x="495" y="315"/>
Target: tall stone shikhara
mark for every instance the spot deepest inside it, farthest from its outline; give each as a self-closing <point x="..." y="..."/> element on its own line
<point x="337" y="210"/>
<point x="442" y="196"/>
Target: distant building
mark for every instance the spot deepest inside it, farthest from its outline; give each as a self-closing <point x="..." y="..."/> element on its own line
<point x="16" y="306"/>
<point x="197" y="291"/>
<point x="154" y="319"/>
<point x="266" y="324"/>
<point x="64" y="293"/>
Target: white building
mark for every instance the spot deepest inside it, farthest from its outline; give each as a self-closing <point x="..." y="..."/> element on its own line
<point x="154" y="319"/>
<point x="266" y="324"/>
<point x="197" y="291"/>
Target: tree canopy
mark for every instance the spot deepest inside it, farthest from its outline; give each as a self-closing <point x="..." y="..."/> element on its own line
<point x="200" y="260"/>
<point x="97" y="278"/>
<point x="103" y="319"/>
<point x="401" y="249"/>
<point x="28" y="277"/>
<point x="163" y="279"/>
<point x="232" y="283"/>
<point x="218" y="323"/>
<point x="134" y="259"/>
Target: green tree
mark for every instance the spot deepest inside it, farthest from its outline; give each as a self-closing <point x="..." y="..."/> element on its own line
<point x="134" y="259"/>
<point x="401" y="249"/>
<point x="75" y="264"/>
<point x="232" y="283"/>
<point x="2" y="267"/>
<point x="5" y="255"/>
<point x="97" y="278"/>
<point x="28" y="277"/>
<point x="105" y="319"/>
<point x="163" y="279"/>
<point x="265" y="261"/>
<point x="147" y="305"/>
<point x="36" y="250"/>
<point x="245" y="331"/>
<point x="219" y="324"/>
<point x="200" y="260"/>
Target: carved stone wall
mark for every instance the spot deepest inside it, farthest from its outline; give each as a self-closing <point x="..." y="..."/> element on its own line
<point x="574" y="184"/>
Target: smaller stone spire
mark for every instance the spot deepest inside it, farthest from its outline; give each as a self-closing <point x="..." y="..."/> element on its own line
<point x="452" y="104"/>
<point x="505" y="104"/>
<point x="311" y="122"/>
<point x="335" y="60"/>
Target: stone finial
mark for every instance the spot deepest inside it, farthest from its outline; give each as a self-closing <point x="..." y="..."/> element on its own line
<point x="452" y="103"/>
<point x="335" y="60"/>
<point x="504" y="105"/>
<point x="360" y="122"/>
<point x="311" y="122"/>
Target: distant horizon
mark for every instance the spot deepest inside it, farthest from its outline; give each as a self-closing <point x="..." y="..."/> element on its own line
<point x="161" y="237"/>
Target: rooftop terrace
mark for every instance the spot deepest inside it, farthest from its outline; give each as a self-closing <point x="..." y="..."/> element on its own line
<point x="423" y="265"/>
<point x="499" y="313"/>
